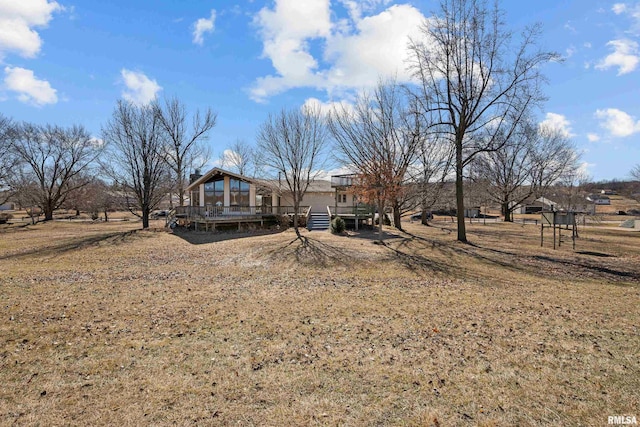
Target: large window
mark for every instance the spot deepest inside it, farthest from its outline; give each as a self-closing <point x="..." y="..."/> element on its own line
<point x="239" y="192"/>
<point x="214" y="193"/>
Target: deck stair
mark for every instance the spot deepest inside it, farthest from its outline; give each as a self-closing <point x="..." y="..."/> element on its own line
<point x="318" y="221"/>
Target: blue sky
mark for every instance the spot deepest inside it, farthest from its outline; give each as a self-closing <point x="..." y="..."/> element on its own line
<point x="69" y="62"/>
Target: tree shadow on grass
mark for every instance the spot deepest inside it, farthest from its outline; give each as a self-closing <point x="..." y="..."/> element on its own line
<point x="78" y="243"/>
<point x="205" y="237"/>
<point x="535" y="265"/>
<point x="310" y="251"/>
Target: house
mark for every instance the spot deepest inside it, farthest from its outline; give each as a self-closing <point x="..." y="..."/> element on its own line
<point x="9" y="206"/>
<point x="318" y="196"/>
<point x="224" y="196"/>
<point x="221" y="196"/>
<point x="472" y="212"/>
<point x="535" y="205"/>
<point x="599" y="199"/>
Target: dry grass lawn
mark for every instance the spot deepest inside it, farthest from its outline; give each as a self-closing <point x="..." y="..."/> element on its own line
<point x="103" y="324"/>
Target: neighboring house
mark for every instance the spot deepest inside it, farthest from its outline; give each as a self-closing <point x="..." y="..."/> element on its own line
<point x="535" y="205"/>
<point x="9" y="206"/>
<point x="472" y="212"/>
<point x="599" y="199"/>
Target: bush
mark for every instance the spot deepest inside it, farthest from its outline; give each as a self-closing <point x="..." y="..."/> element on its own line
<point x="337" y="225"/>
<point x="283" y="221"/>
<point x="4" y="217"/>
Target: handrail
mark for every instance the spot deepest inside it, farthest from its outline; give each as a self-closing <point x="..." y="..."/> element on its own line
<point x="223" y="212"/>
<point x="308" y="212"/>
<point x="329" y="211"/>
<point x="171" y="216"/>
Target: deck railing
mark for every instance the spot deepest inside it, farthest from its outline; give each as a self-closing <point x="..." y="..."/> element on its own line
<point x="350" y="210"/>
<point x="223" y="212"/>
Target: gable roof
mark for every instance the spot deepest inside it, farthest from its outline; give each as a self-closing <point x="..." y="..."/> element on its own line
<point x="216" y="172"/>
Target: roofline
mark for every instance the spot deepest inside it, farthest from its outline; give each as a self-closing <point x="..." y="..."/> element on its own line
<point x="204" y="178"/>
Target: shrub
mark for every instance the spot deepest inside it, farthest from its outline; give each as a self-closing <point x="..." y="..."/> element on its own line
<point x="283" y="221"/>
<point x="337" y="225"/>
<point x="4" y="217"/>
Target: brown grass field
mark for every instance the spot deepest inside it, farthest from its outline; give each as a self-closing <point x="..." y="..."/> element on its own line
<point x="103" y="324"/>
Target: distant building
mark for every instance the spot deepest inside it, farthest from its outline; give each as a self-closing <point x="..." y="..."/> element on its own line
<point x="535" y="205"/>
<point x="599" y="199"/>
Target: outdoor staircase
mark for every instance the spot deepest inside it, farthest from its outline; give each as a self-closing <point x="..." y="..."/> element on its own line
<point x="318" y="221"/>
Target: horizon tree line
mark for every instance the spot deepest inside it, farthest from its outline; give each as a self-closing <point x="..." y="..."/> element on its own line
<point x="467" y="117"/>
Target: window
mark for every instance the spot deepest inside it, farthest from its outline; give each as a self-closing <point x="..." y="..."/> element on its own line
<point x="342" y="198"/>
<point x="214" y="193"/>
<point x="239" y="192"/>
<point x="195" y="198"/>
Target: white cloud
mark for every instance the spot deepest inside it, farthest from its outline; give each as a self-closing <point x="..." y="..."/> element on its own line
<point x="203" y="26"/>
<point x="617" y="122"/>
<point x="140" y="89"/>
<point x="587" y="45"/>
<point x="377" y="49"/>
<point x="584" y="170"/>
<point x="570" y="51"/>
<point x="354" y="53"/>
<point x="624" y="56"/>
<point x="593" y="137"/>
<point x="328" y="107"/>
<point x="619" y="8"/>
<point x="30" y="89"/>
<point x="568" y="26"/>
<point x="18" y="18"/>
<point x="557" y="122"/>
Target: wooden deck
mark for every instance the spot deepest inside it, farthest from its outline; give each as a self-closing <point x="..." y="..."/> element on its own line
<point x="208" y="217"/>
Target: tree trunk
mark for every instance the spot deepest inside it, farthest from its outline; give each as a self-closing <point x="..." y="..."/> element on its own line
<point x="424" y="217"/>
<point x="295" y="223"/>
<point x="380" y="210"/>
<point x="106" y="217"/>
<point x="396" y="216"/>
<point x="145" y="217"/>
<point x="462" y="231"/>
<point x="48" y="213"/>
<point x="506" y="212"/>
<point x="296" y="206"/>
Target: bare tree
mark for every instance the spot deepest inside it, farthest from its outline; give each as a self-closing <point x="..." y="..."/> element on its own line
<point x="554" y="159"/>
<point x="380" y="138"/>
<point x="293" y="143"/>
<point x="7" y="163"/>
<point x="240" y="157"/>
<point x="534" y="158"/>
<point x="137" y="161"/>
<point x="429" y="173"/>
<point x="100" y="198"/>
<point x="507" y="173"/>
<point x="96" y="197"/>
<point x="570" y="190"/>
<point x="185" y="150"/>
<point x="635" y="173"/>
<point x="53" y="160"/>
<point x="474" y="82"/>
